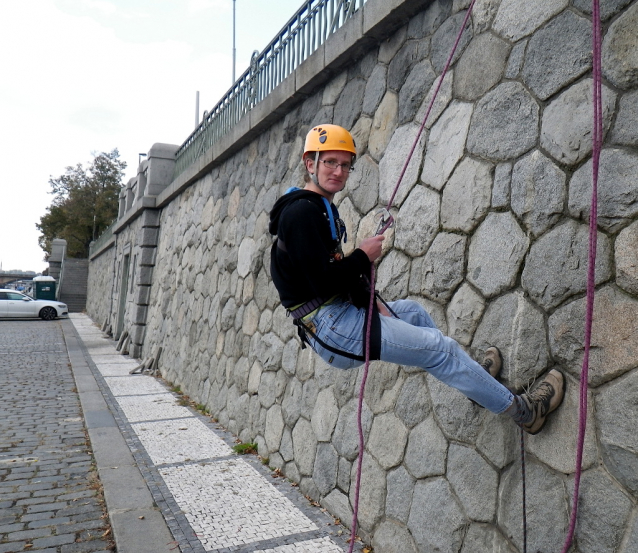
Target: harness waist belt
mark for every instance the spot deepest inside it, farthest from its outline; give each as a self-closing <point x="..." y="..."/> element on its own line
<point x="306" y="308"/>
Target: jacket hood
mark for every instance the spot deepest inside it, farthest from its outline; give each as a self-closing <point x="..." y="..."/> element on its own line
<point x="288" y="198"/>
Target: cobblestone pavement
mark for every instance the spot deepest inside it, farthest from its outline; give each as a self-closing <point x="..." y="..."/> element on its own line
<point x="212" y="499"/>
<point x="48" y="492"/>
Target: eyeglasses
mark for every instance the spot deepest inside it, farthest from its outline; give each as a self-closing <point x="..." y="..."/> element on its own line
<point x="333" y="165"/>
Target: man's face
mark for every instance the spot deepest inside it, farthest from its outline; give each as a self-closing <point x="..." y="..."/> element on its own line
<point x="332" y="171"/>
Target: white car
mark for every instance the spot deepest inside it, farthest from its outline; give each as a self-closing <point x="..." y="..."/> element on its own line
<point x="14" y="304"/>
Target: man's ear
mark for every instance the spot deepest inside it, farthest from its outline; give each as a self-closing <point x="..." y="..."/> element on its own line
<point x="309" y="163"/>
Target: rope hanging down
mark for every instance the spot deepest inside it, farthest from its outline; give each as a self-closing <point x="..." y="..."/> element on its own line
<point x="385" y="225"/>
<point x="597" y="140"/>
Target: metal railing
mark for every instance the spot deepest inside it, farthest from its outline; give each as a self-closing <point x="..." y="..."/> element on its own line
<point x="306" y="31"/>
<point x="99" y="242"/>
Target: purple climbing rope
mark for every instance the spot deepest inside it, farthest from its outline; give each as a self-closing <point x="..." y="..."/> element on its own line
<point x="386" y="226"/>
<point x="524" y="480"/>
<point x="591" y="273"/>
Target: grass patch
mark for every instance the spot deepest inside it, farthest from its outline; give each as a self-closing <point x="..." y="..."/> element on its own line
<point x="245" y="449"/>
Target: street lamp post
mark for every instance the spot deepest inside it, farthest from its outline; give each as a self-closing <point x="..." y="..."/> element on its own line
<point x="234" y="54"/>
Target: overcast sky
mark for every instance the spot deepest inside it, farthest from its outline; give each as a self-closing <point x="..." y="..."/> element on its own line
<point x="83" y="76"/>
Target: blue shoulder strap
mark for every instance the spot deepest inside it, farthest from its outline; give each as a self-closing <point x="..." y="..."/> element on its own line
<point x="332" y="211"/>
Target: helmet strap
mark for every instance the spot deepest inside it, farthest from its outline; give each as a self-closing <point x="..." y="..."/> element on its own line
<point x="313" y="176"/>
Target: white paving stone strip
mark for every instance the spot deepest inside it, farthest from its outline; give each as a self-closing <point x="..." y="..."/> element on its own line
<point x="115" y="369"/>
<point x="114" y="359"/>
<point x="177" y="441"/>
<point x="152" y="407"/>
<point x="319" y="545"/>
<point x="229" y="503"/>
<point x="134" y="385"/>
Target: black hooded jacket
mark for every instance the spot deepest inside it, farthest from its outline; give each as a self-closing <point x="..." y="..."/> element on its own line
<point x="304" y="262"/>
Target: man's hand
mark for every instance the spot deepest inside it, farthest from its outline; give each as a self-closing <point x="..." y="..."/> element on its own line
<point x="372" y="247"/>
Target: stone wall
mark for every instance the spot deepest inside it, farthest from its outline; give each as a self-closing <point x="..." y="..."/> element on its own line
<point x="491" y="237"/>
<point x="100" y="285"/>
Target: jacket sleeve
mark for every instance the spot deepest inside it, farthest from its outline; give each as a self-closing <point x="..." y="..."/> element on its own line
<point x="306" y="234"/>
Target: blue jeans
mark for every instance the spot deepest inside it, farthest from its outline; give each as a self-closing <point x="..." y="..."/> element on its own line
<point x="412" y="339"/>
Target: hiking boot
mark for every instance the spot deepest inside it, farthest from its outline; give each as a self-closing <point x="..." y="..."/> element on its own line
<point x="544" y="399"/>
<point x="492" y="361"/>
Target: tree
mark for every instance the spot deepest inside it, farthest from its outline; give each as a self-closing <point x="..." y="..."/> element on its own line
<point x="85" y="203"/>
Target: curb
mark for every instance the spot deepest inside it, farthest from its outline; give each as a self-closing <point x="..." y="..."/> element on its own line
<point x="137" y="523"/>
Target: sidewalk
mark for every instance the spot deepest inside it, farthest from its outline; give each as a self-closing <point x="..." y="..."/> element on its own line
<point x="171" y="480"/>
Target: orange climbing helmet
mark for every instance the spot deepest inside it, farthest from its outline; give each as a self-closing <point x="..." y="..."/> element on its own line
<point x="327" y="137"/>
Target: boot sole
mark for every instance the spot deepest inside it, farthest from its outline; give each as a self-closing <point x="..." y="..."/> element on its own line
<point x="554" y="409"/>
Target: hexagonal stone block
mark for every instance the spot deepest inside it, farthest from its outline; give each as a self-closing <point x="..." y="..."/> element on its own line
<point x="446" y="144"/>
<point x="427" y="450"/>
<point x="393" y="538"/>
<point x="372" y="492"/>
<point x="504" y="123"/>
<point x="566" y="128"/>
<point x="463" y="314"/>
<point x="417" y="221"/>
<point x="485" y="538"/>
<point x="434" y="501"/>
<point x="617" y="190"/>
<point x="516" y="19"/>
<point x="387" y="440"/>
<point x="399" y="496"/>
<point x="496" y="252"/>
<point x="445" y="37"/>
<point x="466" y="196"/>
<point x="616" y="413"/>
<point x="556" y="267"/>
<point x="538" y="192"/>
<point x="474" y="481"/>
<point x="557" y="54"/>
<point x="614" y="335"/>
<point x="363" y="184"/>
<point x="603" y="513"/>
<point x="627" y="259"/>
<point x="546" y="507"/>
<point x="620" y="55"/>
<point x="394" y="159"/>
<point x="441" y="270"/>
<point x="625" y="129"/>
<point x="481" y="66"/>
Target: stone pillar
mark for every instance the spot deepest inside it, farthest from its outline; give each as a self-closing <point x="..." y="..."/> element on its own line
<point x="147" y="242"/>
<point x="130" y="193"/>
<point x="58" y="251"/>
<point x="161" y="163"/>
<point x="122" y="206"/>
<point x="141" y="180"/>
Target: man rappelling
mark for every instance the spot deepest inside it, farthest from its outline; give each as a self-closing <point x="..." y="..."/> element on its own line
<point x="326" y="294"/>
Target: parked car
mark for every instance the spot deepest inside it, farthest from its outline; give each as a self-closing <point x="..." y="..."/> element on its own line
<point x="15" y="304"/>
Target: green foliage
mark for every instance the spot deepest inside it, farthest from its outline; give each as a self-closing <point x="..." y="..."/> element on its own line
<point x="243" y="449"/>
<point x="85" y="203"/>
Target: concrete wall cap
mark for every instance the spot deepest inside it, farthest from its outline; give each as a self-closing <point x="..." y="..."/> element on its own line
<point x="165" y="151"/>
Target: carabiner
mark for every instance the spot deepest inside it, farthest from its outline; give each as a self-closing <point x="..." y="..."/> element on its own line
<point x="386" y="221"/>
